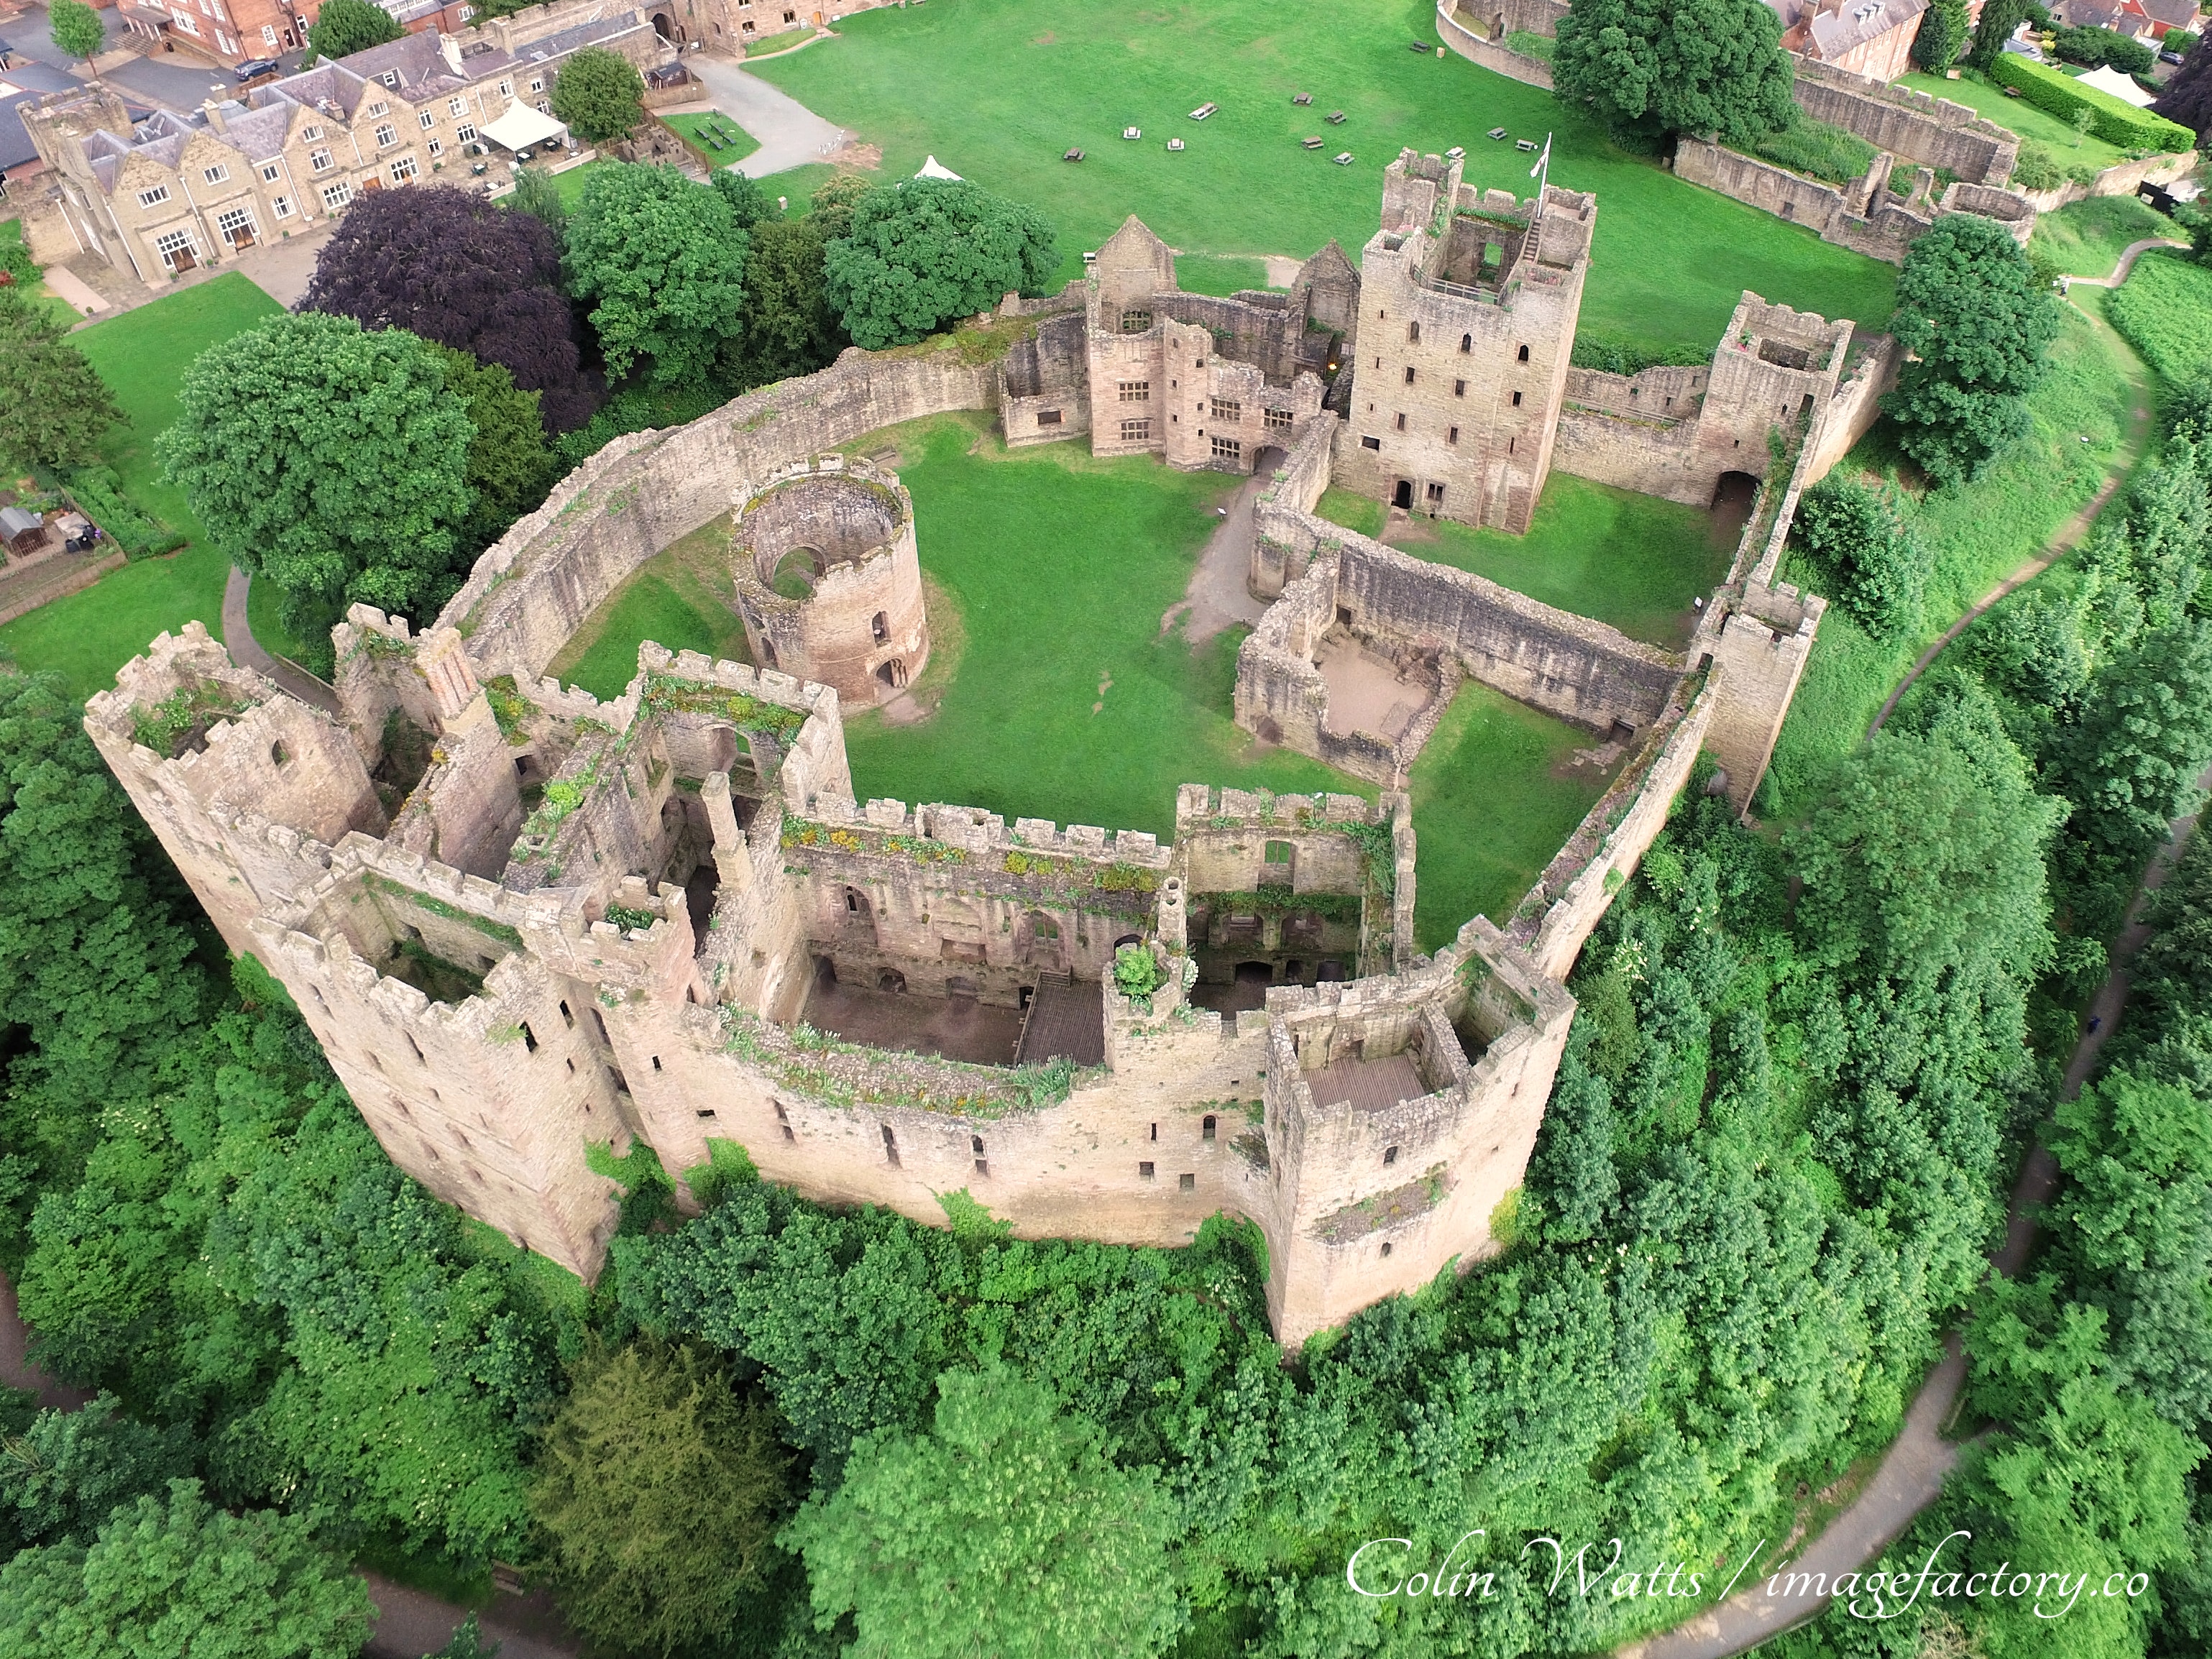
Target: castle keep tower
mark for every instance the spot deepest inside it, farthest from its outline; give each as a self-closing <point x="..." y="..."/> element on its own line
<point x="1468" y="302"/>
<point x="829" y="584"/>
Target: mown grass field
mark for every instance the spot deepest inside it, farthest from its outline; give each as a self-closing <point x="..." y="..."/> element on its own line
<point x="1978" y="533"/>
<point x="734" y="147"/>
<point x="1634" y="562"/>
<point x="2086" y="239"/>
<point x="2164" y="311"/>
<point x="1985" y="98"/>
<point x="142" y="355"/>
<point x="997" y="89"/>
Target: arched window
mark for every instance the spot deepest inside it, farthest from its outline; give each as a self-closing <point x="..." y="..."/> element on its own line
<point x="1524" y="353"/>
<point x="879" y="626"/>
<point x="1414" y="333"/>
<point x="1467" y="343"/>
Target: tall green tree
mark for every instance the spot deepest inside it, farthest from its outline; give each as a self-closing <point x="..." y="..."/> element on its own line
<point x="790" y="327"/>
<point x="2144" y="737"/>
<point x="510" y="465"/>
<point x="1007" y="1530"/>
<point x="77" y="28"/>
<point x="1648" y="69"/>
<point x="1877" y="569"/>
<point x="70" y="1470"/>
<point x="54" y="407"/>
<point x="95" y="970"/>
<point x="1942" y="35"/>
<point x="1969" y="308"/>
<point x="662" y="262"/>
<point x="599" y="94"/>
<point x="2001" y="20"/>
<point x="174" y="1575"/>
<point x="328" y="461"/>
<point x="1927" y="858"/>
<point x="923" y="252"/>
<point x="832" y="206"/>
<point x="659" y="1493"/>
<point x="343" y="27"/>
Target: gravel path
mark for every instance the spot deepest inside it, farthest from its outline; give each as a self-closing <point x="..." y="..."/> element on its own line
<point x="791" y="135"/>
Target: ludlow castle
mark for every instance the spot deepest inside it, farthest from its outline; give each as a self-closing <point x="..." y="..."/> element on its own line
<point x="522" y="921"/>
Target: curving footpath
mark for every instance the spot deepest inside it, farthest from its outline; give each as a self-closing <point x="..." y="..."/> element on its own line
<point x="1912" y="1471"/>
<point x="2070" y="534"/>
<point x="249" y="653"/>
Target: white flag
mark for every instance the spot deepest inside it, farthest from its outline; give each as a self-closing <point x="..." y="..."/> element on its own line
<point x="1543" y="160"/>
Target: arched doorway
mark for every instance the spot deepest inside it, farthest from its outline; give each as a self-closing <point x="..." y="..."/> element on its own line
<point x="892" y="672"/>
<point x="1403" y="495"/>
<point x="665" y="28"/>
<point x="1271" y="456"/>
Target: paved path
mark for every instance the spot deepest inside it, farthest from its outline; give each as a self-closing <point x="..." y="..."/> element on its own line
<point x="2071" y="533"/>
<point x="17" y="1369"/>
<point x="791" y="135"/>
<point x="2129" y="255"/>
<point x="237" y="635"/>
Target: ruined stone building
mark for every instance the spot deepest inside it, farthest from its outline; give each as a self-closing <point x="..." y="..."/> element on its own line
<point x="523" y="922"/>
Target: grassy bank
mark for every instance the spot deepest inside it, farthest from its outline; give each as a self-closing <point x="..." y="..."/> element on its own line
<point x="1978" y="532"/>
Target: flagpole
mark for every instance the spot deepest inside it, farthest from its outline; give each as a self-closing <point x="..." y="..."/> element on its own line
<point x="1542" y="173"/>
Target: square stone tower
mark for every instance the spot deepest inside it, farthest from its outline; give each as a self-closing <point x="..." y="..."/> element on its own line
<point x="1468" y="301"/>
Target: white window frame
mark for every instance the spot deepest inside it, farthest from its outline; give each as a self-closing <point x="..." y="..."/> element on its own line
<point x="217" y="174"/>
<point x="169" y="243"/>
<point x="386" y="136"/>
<point x="380" y="108"/>
<point x="319" y="160"/>
<point x="281" y="206"/>
<point x="406" y="162"/>
<point x="427" y="120"/>
<point x="268" y="34"/>
<point x="337" y="197"/>
<point x="154" y="197"/>
<point x="271" y="171"/>
<point x="466" y="132"/>
<point x="224" y="225"/>
<point x="457" y="107"/>
<point x="436" y="147"/>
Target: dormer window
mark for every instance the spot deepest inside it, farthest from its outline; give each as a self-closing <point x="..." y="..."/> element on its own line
<point x="391" y="78"/>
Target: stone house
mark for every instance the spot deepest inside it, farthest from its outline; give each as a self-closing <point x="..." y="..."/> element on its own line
<point x="176" y="191"/>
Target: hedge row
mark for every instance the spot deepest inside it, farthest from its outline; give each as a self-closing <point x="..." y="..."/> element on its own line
<point x="98" y="492"/>
<point x="2115" y="122"/>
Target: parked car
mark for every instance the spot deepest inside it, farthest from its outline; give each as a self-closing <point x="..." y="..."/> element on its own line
<point x="254" y="66"/>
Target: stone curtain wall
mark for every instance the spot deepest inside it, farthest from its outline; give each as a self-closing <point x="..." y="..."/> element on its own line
<point x="1454" y="29"/>
<point x="2119" y="180"/>
<point x="1821" y="208"/>
<point x="534" y="588"/>
<point x="1048" y="375"/>
<point x="1568" y="666"/>
<point x="1934" y="132"/>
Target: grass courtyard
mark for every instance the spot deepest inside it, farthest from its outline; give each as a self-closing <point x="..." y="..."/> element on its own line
<point x="1055" y="692"/>
<point x="142" y="355"/>
<point x="1634" y="562"/>
<point x="997" y="89"/>
<point x="2086" y="239"/>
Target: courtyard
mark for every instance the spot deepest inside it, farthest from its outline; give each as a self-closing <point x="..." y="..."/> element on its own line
<point x="1061" y="684"/>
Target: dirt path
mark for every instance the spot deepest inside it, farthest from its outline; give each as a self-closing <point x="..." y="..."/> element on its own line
<point x="2129" y="255"/>
<point x="2070" y="534"/>
<point x="1217" y="598"/>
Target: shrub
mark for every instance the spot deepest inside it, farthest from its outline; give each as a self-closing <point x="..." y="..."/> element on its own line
<point x="1135" y="973"/>
<point x="2114" y="122"/>
<point x="2164" y="311"/>
<point x="98" y="492"/>
<point x="1876" y="568"/>
<point x="1818" y="150"/>
<point x="2092" y="48"/>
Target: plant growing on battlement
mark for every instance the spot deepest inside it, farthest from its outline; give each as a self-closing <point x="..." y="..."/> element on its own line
<point x="509" y="708"/>
<point x="622" y="916"/>
<point x="192" y="707"/>
<point x="1136" y="974"/>
<point x="666" y="694"/>
<point x="1379" y="842"/>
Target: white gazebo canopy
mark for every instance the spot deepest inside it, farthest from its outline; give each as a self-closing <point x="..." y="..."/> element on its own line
<point x="932" y="169"/>
<point x="2122" y="86"/>
<point x="522" y="127"/>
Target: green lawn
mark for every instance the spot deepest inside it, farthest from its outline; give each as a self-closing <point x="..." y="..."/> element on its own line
<point x="683" y="597"/>
<point x="1980" y="532"/>
<point x="2067" y="147"/>
<point x="2165" y="310"/>
<point x="570" y="185"/>
<point x="143" y="355"/>
<point x="1635" y="561"/>
<point x="11" y="230"/>
<point x="2086" y="239"/>
<point x="733" y="148"/>
<point x="997" y="89"/>
<point x="1494" y="798"/>
<point x="1220" y="273"/>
